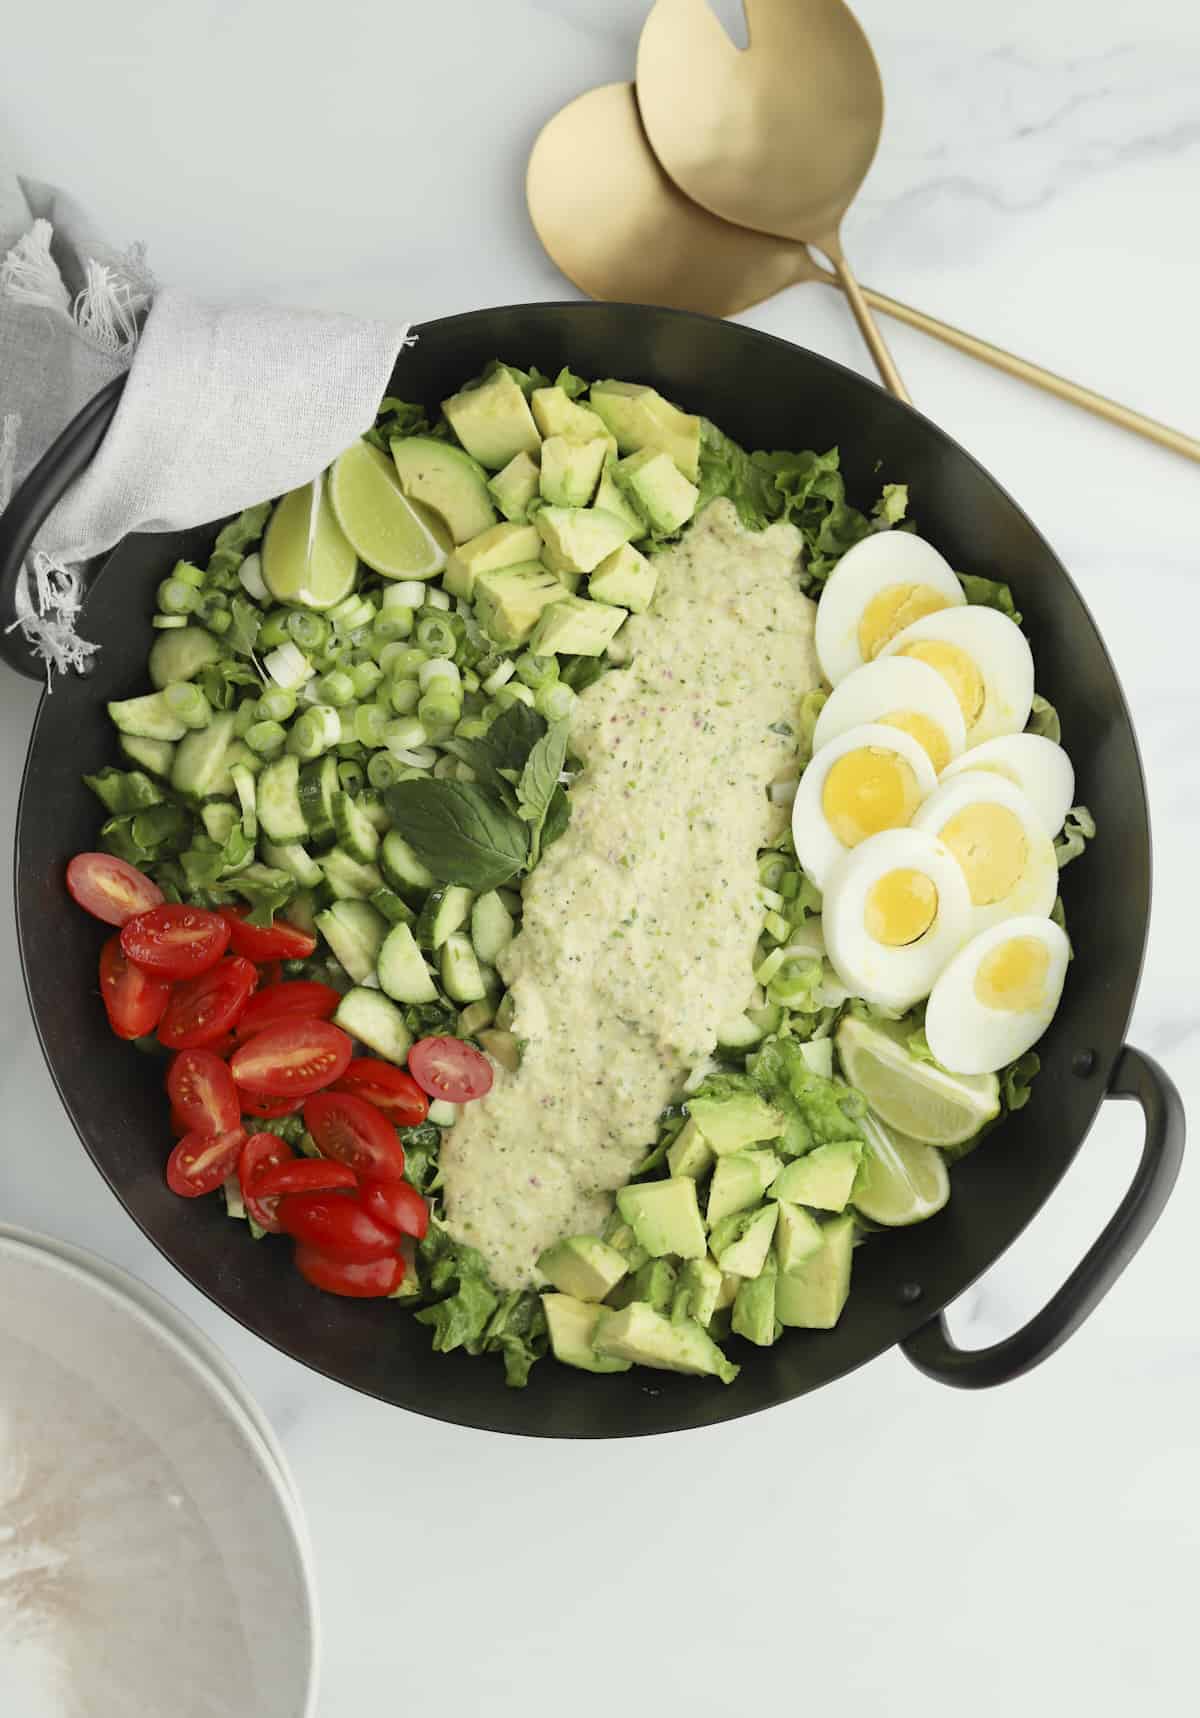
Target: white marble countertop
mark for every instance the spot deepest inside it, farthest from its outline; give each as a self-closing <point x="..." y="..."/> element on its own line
<point x="885" y="1545"/>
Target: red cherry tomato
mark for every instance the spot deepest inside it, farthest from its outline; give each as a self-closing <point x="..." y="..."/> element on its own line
<point x="337" y="1223"/>
<point x="110" y="889"/>
<point x="339" y="1275"/>
<point x="389" y="1088"/>
<point x="222" y="1046"/>
<point x="279" y="941"/>
<point x="178" y="1126"/>
<point x="303" y="1175"/>
<point x="133" y="1000"/>
<point x="268" y="1109"/>
<point x="261" y="1152"/>
<point x="175" y="941"/>
<point x="202" y="1010"/>
<point x="200" y="1162"/>
<point x="202" y="1092"/>
<point x="447" y="1068"/>
<point x="303" y="999"/>
<point x="292" y="1059"/>
<point x="355" y="1132"/>
<point x="270" y="972"/>
<point x="396" y="1204"/>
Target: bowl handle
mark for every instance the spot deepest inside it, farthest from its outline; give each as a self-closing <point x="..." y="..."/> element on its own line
<point x="63" y="461"/>
<point x="931" y="1348"/>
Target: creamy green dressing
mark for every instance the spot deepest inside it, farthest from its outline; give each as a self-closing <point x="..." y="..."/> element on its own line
<point x="640" y="923"/>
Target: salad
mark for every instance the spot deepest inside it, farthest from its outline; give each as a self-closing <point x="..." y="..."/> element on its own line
<point x="582" y="877"/>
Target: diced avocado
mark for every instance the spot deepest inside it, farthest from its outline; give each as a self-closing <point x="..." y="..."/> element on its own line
<point x="576" y="627"/>
<point x="493" y="420"/>
<point x="583" y="1266"/>
<point x="500" y="546"/>
<point x="700" y="1281"/>
<point x="571" y="470"/>
<point x="572" y="1325"/>
<point x="619" y="1234"/>
<point x="823" y="1178"/>
<point x="813" y="1296"/>
<point x="654" y="1283"/>
<point x="730" y="1284"/>
<point x="639" y="417"/>
<point x="739" y="1182"/>
<point x="625" y="578"/>
<point x="741" y="1243"/>
<point x="515" y="487"/>
<point x="689" y="1153"/>
<point x="665" y="1216"/>
<point x="754" y="1315"/>
<point x="556" y="413"/>
<point x="581" y="537"/>
<point x="731" y="1123"/>
<point x="658" y="489"/>
<point x="611" y="498"/>
<point x="442" y="476"/>
<point x="509" y="601"/>
<point x="797" y="1236"/>
<point x="640" y="1334"/>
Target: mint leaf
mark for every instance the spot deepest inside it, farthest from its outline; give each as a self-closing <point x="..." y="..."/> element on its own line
<point x="539" y="781"/>
<point x="459" y="830"/>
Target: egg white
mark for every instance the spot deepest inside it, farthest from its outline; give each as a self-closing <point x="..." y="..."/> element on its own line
<point x="966" y="1035"/>
<point x="817" y="847"/>
<point x="1040" y="768"/>
<point x="883" y="559"/>
<point x="1035" y="889"/>
<point x="884" y="688"/>
<point x="1002" y="657"/>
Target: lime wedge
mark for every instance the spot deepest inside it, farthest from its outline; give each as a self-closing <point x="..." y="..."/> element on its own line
<point x="915" y="1098"/>
<point x="378" y="518"/>
<point x="305" y="556"/>
<point x="900" y="1181"/>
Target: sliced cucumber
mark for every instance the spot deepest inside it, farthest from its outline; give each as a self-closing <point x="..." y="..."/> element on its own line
<point x="446" y="911"/>
<point x="738" y="1033"/>
<point x="492" y="928"/>
<point x="353" y="830"/>
<point x="239" y="754"/>
<point x="149" y="718"/>
<point x="318" y="785"/>
<point x="218" y="818"/>
<point x="475" y="1017"/>
<point x="153" y="755"/>
<point x="402" y="970"/>
<point x="355" y="932"/>
<point x="201" y="769"/>
<point x="461" y="978"/>
<point x="243" y="786"/>
<point x="374" y="810"/>
<point x="180" y="655"/>
<point x="297" y="861"/>
<point x="403" y="870"/>
<point x="443" y="1114"/>
<point x="394" y="910"/>
<point x="300" y="911"/>
<point x="369" y="1016"/>
<point x="349" y="879"/>
<point x="279" y="809"/>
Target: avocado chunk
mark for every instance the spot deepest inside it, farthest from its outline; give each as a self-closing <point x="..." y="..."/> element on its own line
<point x="611" y="498"/>
<point x="446" y="479"/>
<point x="822" y="1178"/>
<point x="625" y="577"/>
<point x="700" y="1284"/>
<point x="501" y="546"/>
<point x="572" y="1325"/>
<point x="689" y="1153"/>
<point x="654" y="1282"/>
<point x="664" y="498"/>
<point x="665" y="1216"/>
<point x="730" y="1284"/>
<point x="733" y="1122"/>
<point x="739" y="1181"/>
<point x="515" y="487"/>
<point x="640" y="1334"/>
<point x="754" y="1315"/>
<point x="583" y="1266"/>
<point x="741" y="1243"/>
<point x="797" y="1236"/>
<point x="579" y="538"/>
<point x="509" y="600"/>
<point x="556" y="413"/>
<point x="576" y="627"/>
<point x="493" y="420"/>
<point x="813" y="1296"/>
<point x="639" y="417"/>
<point x="619" y="1234"/>
<point x="571" y="470"/>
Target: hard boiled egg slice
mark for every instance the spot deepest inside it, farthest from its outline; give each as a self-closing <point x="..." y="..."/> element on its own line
<point x="870" y="778"/>
<point x="879" y="587"/>
<point x="896" y="911"/>
<point x="1041" y="769"/>
<point x="997" y="996"/>
<point x="900" y="693"/>
<point x="985" y="660"/>
<point x="999" y="839"/>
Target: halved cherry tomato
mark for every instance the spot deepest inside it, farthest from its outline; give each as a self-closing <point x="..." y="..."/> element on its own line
<point x="222" y="1046"/>
<point x="355" y="1132"/>
<point x="303" y="999"/>
<point x="203" y="1009"/>
<point x="447" y="1068"/>
<point x="279" y="941"/>
<point x="109" y="888"/>
<point x="337" y="1223"/>
<point x="339" y="1275"/>
<point x="133" y="1000"/>
<point x="292" y="1059"/>
<point x="270" y="972"/>
<point x="200" y="1162"/>
<point x="175" y="941"/>
<point x="389" y="1088"/>
<point x="268" y="1109"/>
<point x="303" y="1175"/>
<point x="178" y="1126"/>
<point x="261" y="1152"/>
<point x="396" y="1204"/>
<point x="202" y="1092"/>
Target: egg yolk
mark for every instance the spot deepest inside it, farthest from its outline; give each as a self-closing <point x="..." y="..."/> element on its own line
<point x="989" y="843"/>
<point x="925" y="731"/>
<point x="900" y="907"/>
<point x="1012" y="977"/>
<point x="890" y="611"/>
<point x="867" y="790"/>
<point x="956" y="668"/>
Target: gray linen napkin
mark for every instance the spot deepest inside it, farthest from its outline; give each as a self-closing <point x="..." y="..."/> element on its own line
<point x="224" y="406"/>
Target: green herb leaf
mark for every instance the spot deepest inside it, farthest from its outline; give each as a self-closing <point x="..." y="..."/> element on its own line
<point x="122" y="791"/>
<point x="421" y="1147"/>
<point x="989" y="593"/>
<point x="557" y="817"/>
<point x="1077" y="831"/>
<point x="580" y="672"/>
<point x="263" y="888"/>
<point x="539" y="782"/>
<point x="396" y="419"/>
<point x="571" y="384"/>
<point x="459" y="830"/>
<point x="1015" y="1080"/>
<point x="1043" y="720"/>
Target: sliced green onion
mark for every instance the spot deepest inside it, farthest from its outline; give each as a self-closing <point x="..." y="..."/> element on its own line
<point x="404" y="735"/>
<point x="555" y="701"/>
<point x="175" y="596"/>
<point x="774" y="903"/>
<point x="336" y="689"/>
<point x="308" y="630"/>
<point x="446" y="768"/>
<point x="189" y="573"/>
<point x="765" y="972"/>
<point x="315" y="731"/>
<point x="217" y="620"/>
<point x="404" y="696"/>
<point x="441" y="673"/>
<point x="382" y="770"/>
<point x="537" y="671"/>
<point x="244" y="717"/>
<point x="288" y="666"/>
<point x="435" y="597"/>
<point x="168" y="622"/>
<point x="187" y="704"/>
<point x="351" y="776"/>
<point x="422" y="759"/>
<point x="277" y="704"/>
<point x="471" y="728"/>
<point x="266" y="738"/>
<point x="500" y="677"/>
<point x="392" y="625"/>
<point x="273" y="630"/>
<point x="251" y="580"/>
<point x="369" y="724"/>
<point x="405" y="593"/>
<point x="436" y="636"/>
<point x="510" y="694"/>
<point x="777" y="927"/>
<point x="366" y="676"/>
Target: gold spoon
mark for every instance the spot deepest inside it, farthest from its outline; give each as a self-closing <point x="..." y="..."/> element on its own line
<point x="617" y="226"/>
<point x="777" y="137"/>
